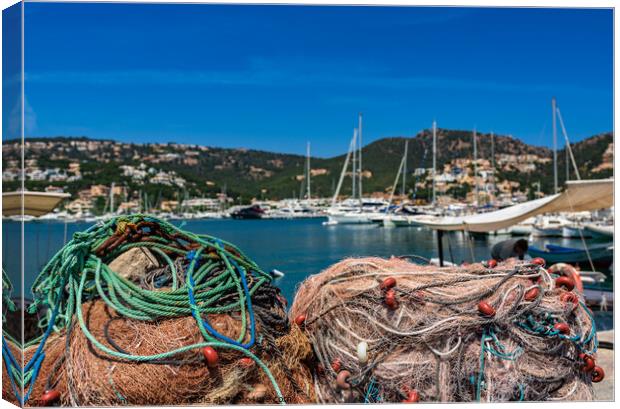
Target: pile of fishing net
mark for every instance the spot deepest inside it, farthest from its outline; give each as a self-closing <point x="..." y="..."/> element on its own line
<point x="200" y="323"/>
<point x="391" y="331"/>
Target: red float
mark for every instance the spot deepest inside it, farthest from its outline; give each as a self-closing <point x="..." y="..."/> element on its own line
<point x="486" y="309"/>
<point x="211" y="356"/>
<point x="588" y="364"/>
<point x="412" y="397"/>
<point x="531" y="294"/>
<point x="598" y="374"/>
<point x="492" y="263"/>
<point x="336" y="365"/>
<point x="565" y="282"/>
<point x="246" y="362"/>
<point x="569" y="297"/>
<point x="388" y="283"/>
<point x="50" y="397"/>
<point x="300" y="319"/>
<point x="539" y="261"/>
<point x="342" y="380"/>
<point x="390" y="299"/>
<point x="562" y="328"/>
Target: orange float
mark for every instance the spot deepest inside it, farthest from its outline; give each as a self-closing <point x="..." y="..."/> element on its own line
<point x="531" y="294"/>
<point x="486" y="309"/>
<point x="412" y="397"/>
<point x="388" y="283"/>
<point x="598" y="374"/>
<point x="300" y="319"/>
<point x="50" y="397"/>
<point x="342" y="380"/>
<point x="568" y="271"/>
<point x="562" y="328"/>
<point x="211" y="356"/>
<point x="390" y="299"/>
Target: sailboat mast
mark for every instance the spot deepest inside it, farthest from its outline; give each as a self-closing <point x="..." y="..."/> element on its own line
<point x="404" y="192"/>
<point x="344" y="171"/>
<point x="476" y="165"/>
<point x="308" y="170"/>
<point x="493" y="162"/>
<point x="434" y="158"/>
<point x="555" y="149"/>
<point x="354" y="165"/>
<point x="359" y="127"/>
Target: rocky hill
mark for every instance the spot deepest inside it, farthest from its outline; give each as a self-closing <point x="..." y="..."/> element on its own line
<point x="165" y="170"/>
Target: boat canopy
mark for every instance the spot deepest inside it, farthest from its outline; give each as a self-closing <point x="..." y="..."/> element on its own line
<point x="579" y="195"/>
<point x="34" y="203"/>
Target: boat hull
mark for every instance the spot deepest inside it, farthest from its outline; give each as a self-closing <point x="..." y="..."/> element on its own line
<point x="547" y="232"/>
<point x="349" y="219"/>
<point x="601" y="256"/>
<point x="574" y="233"/>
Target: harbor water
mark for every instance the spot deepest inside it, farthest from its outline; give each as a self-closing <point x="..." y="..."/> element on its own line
<point x="298" y="247"/>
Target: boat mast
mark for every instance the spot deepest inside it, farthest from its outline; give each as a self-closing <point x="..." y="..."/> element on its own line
<point x="476" y="166"/>
<point x="360" y="171"/>
<point x="344" y="170"/>
<point x="404" y="192"/>
<point x="434" y="158"/>
<point x="555" y="149"/>
<point x="493" y="162"/>
<point x="308" y="170"/>
<point x="569" y="150"/>
<point x="354" y="166"/>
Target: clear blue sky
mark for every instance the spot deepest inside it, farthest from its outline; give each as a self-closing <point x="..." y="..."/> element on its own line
<point x="274" y="77"/>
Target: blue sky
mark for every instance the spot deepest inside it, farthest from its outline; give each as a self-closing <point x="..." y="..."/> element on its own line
<point x="274" y="77"/>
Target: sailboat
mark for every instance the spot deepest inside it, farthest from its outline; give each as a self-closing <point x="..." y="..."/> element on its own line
<point x="356" y="210"/>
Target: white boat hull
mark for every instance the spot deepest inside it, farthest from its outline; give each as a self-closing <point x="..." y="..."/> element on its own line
<point x="547" y="232"/>
<point x="521" y="230"/>
<point x="349" y="219"/>
<point x="574" y="233"/>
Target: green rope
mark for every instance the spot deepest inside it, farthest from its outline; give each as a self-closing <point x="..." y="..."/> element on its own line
<point x="219" y="279"/>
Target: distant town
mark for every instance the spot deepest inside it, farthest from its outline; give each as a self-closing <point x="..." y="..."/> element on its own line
<point x="105" y="175"/>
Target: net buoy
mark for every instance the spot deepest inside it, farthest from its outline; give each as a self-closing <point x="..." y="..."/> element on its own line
<point x="246" y="362"/>
<point x="211" y="356"/>
<point x="486" y="309"/>
<point x="562" y="328"/>
<point x="388" y="283"/>
<point x="336" y="365"/>
<point x="492" y="263"/>
<point x="539" y="261"/>
<point x="565" y="282"/>
<point x="412" y="397"/>
<point x="390" y="299"/>
<point x="300" y="319"/>
<point x="532" y="294"/>
<point x="342" y="380"/>
<point x="362" y="352"/>
<point x="49" y="397"/>
<point x="598" y="374"/>
<point x="569" y="298"/>
<point x="588" y="364"/>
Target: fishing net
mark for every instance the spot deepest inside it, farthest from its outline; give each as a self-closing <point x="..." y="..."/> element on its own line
<point x="391" y="331"/>
<point x="204" y="324"/>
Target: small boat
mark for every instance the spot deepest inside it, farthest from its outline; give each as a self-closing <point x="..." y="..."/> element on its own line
<point x="600" y="255"/>
<point x="523" y="229"/>
<point x="600" y="230"/>
<point x="252" y="212"/>
<point x="574" y="232"/>
<point x="549" y="227"/>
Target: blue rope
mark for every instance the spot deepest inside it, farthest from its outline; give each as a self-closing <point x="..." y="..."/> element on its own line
<point x="207" y="325"/>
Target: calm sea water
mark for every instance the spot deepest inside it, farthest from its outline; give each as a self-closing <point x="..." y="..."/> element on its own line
<point x="298" y="248"/>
